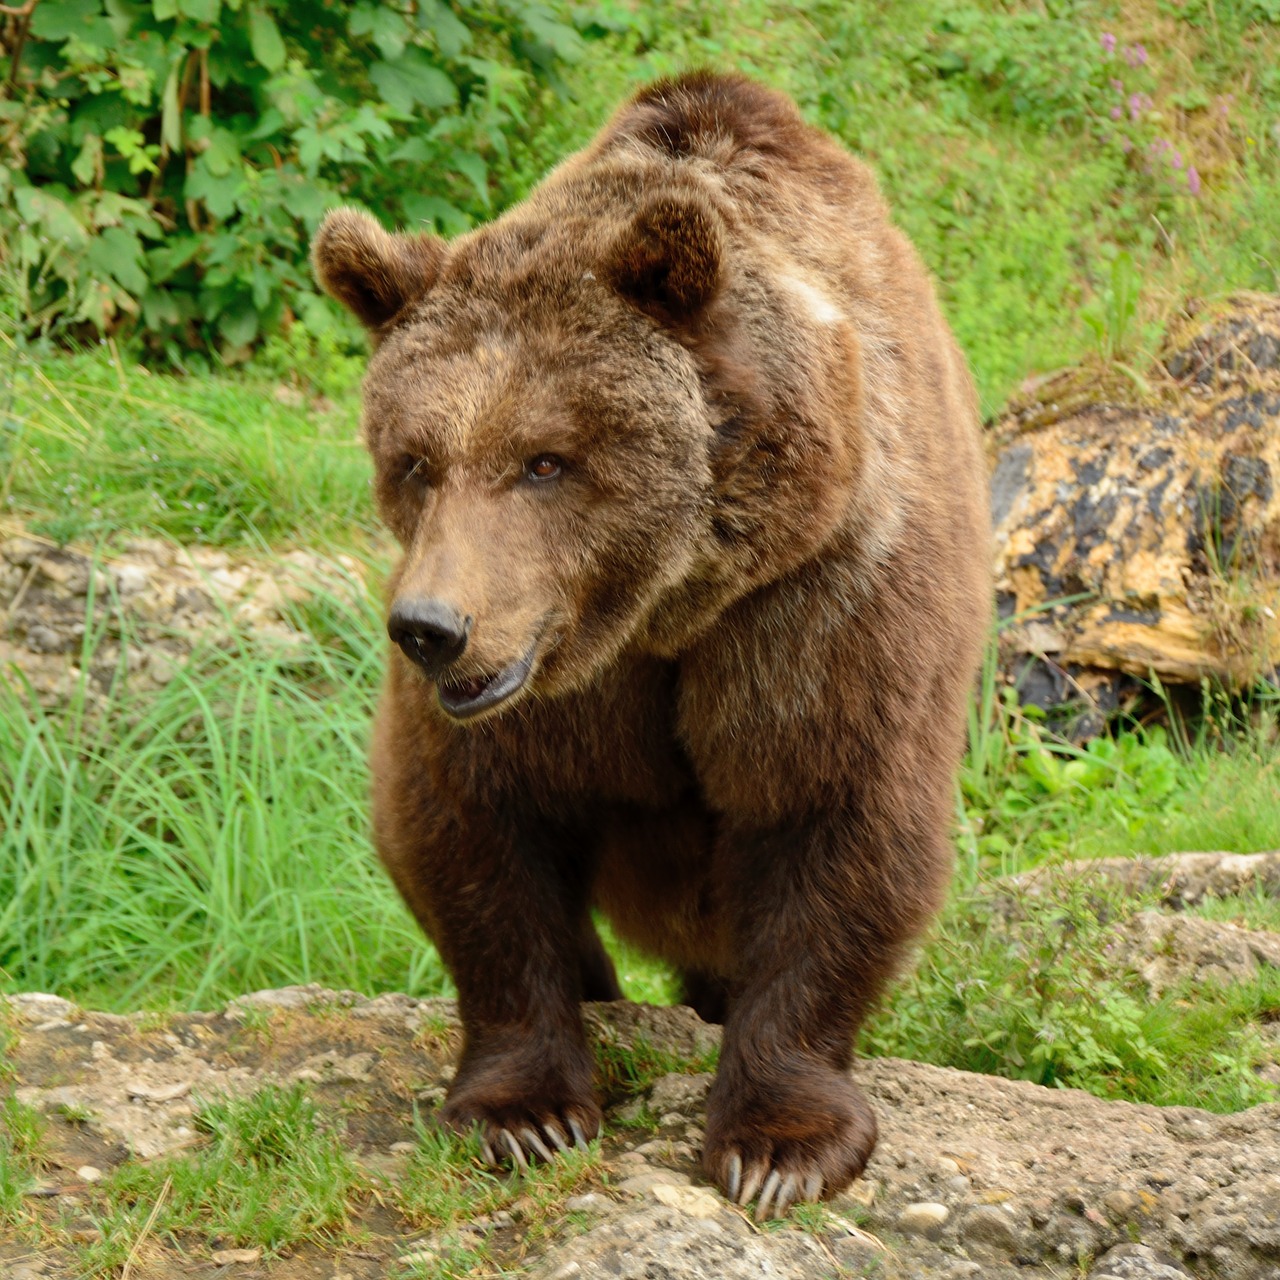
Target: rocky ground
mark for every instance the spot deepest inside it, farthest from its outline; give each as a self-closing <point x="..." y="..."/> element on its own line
<point x="148" y="605"/>
<point x="974" y="1176"/>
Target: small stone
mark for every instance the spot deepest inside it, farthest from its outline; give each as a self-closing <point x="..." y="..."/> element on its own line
<point x="680" y="1093"/>
<point x="858" y="1252"/>
<point x="697" y="1202"/>
<point x="989" y="1229"/>
<point x="946" y="1166"/>
<point x="862" y="1192"/>
<point x="1136" y="1262"/>
<point x="1121" y="1205"/>
<point x="89" y="1173"/>
<point x="631" y="1113"/>
<point x="226" y="1257"/>
<point x="630" y="1162"/>
<point x="924" y="1218"/>
<point x="640" y="1183"/>
<point x="402" y="1148"/>
<point x="589" y="1202"/>
<point x="158" y="1093"/>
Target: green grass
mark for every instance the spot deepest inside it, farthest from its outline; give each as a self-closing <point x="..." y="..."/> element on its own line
<point x="271" y="1173"/>
<point x="95" y="448"/>
<point x="207" y="840"/>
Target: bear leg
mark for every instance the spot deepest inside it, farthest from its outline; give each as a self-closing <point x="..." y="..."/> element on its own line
<point x="822" y="915"/>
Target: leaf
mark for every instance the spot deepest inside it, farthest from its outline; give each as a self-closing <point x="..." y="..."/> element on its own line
<point x="203" y="11"/>
<point x="63" y="18"/>
<point x="387" y="28"/>
<point x="451" y="33"/>
<point x="164" y="9"/>
<point x="51" y="215"/>
<point x="87" y="164"/>
<point x="170" y="115"/>
<point x="117" y="254"/>
<point x="264" y="39"/>
<point x="239" y="326"/>
<point x="413" y="80"/>
<point x="472" y="166"/>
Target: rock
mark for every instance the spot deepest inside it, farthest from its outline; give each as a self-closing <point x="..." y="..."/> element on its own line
<point x="698" y="1202"/>
<point x="1169" y="950"/>
<point x="152" y="603"/>
<point x="679" y="1093"/>
<point x="89" y="1173"/>
<point x="989" y="1230"/>
<point x="1044" y="1177"/>
<point x="925" y="1218"/>
<point x="229" y="1257"/>
<point x="1136" y="1262"/>
<point x="667" y="1243"/>
<point x="1158" y="514"/>
<point x="1179" y="879"/>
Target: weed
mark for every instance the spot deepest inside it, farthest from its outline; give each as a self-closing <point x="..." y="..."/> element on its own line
<point x="628" y="1070"/>
<point x="272" y="1173"/>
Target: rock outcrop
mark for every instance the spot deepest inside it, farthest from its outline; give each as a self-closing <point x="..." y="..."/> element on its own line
<point x="974" y="1176"/>
<point x="1138" y="531"/>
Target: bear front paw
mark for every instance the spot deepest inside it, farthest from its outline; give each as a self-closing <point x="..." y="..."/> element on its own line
<point x="803" y="1139"/>
<point x="519" y="1131"/>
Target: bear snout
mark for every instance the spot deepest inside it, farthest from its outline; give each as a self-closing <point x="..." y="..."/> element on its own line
<point x="432" y="633"/>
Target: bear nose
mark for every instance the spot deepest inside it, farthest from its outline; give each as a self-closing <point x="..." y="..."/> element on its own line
<point x="432" y="633"/>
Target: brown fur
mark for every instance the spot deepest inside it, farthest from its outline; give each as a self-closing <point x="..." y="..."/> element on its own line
<point x="755" y="599"/>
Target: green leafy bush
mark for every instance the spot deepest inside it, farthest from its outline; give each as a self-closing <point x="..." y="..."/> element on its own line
<point x="163" y="165"/>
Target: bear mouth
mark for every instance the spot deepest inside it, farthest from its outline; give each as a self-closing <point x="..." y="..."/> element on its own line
<point x="465" y="698"/>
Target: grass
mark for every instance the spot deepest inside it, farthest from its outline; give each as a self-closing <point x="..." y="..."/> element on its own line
<point x="96" y="449"/>
<point x="272" y="1173"/>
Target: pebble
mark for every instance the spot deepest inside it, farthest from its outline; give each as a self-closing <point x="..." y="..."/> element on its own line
<point x="589" y="1202"/>
<point x="924" y="1218"/>
<point x="225" y="1257"/>
<point x="991" y="1230"/>
<point x="638" y="1184"/>
<point x="89" y="1173"/>
<point x="402" y="1148"/>
<point x="697" y="1202"/>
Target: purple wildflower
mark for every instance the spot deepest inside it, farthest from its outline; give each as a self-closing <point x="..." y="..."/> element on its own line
<point x="1135" y="105"/>
<point x="1193" y="180"/>
<point x="1108" y="43"/>
<point x="1176" y="159"/>
<point x="1116" y="113"/>
<point x="1118" y="85"/>
<point x="1136" y="55"/>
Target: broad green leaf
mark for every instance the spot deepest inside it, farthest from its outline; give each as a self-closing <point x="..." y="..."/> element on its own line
<point x="413" y="81"/>
<point x="60" y="19"/>
<point x="170" y="115"/>
<point x="383" y="25"/>
<point x="164" y="9"/>
<point x="264" y="39"/>
<point x="473" y="167"/>
<point x="239" y="326"/>
<point x="218" y="193"/>
<point x="450" y="32"/>
<point x="87" y="164"/>
<point x="117" y="253"/>
<point x="205" y="11"/>
<point x="54" y="219"/>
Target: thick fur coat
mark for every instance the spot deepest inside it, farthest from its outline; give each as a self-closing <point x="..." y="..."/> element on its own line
<point x="685" y="465"/>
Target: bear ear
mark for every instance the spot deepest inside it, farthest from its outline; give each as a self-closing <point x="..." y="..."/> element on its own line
<point x="668" y="260"/>
<point x="371" y="272"/>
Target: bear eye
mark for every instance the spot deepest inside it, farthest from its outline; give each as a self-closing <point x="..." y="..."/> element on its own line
<point x="413" y="471"/>
<point x="546" y="466"/>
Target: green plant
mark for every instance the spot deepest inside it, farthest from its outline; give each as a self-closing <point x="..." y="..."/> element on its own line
<point x="272" y="1173"/>
<point x="165" y="164"/>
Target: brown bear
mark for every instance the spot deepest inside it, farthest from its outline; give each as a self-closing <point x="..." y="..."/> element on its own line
<point x="686" y="469"/>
